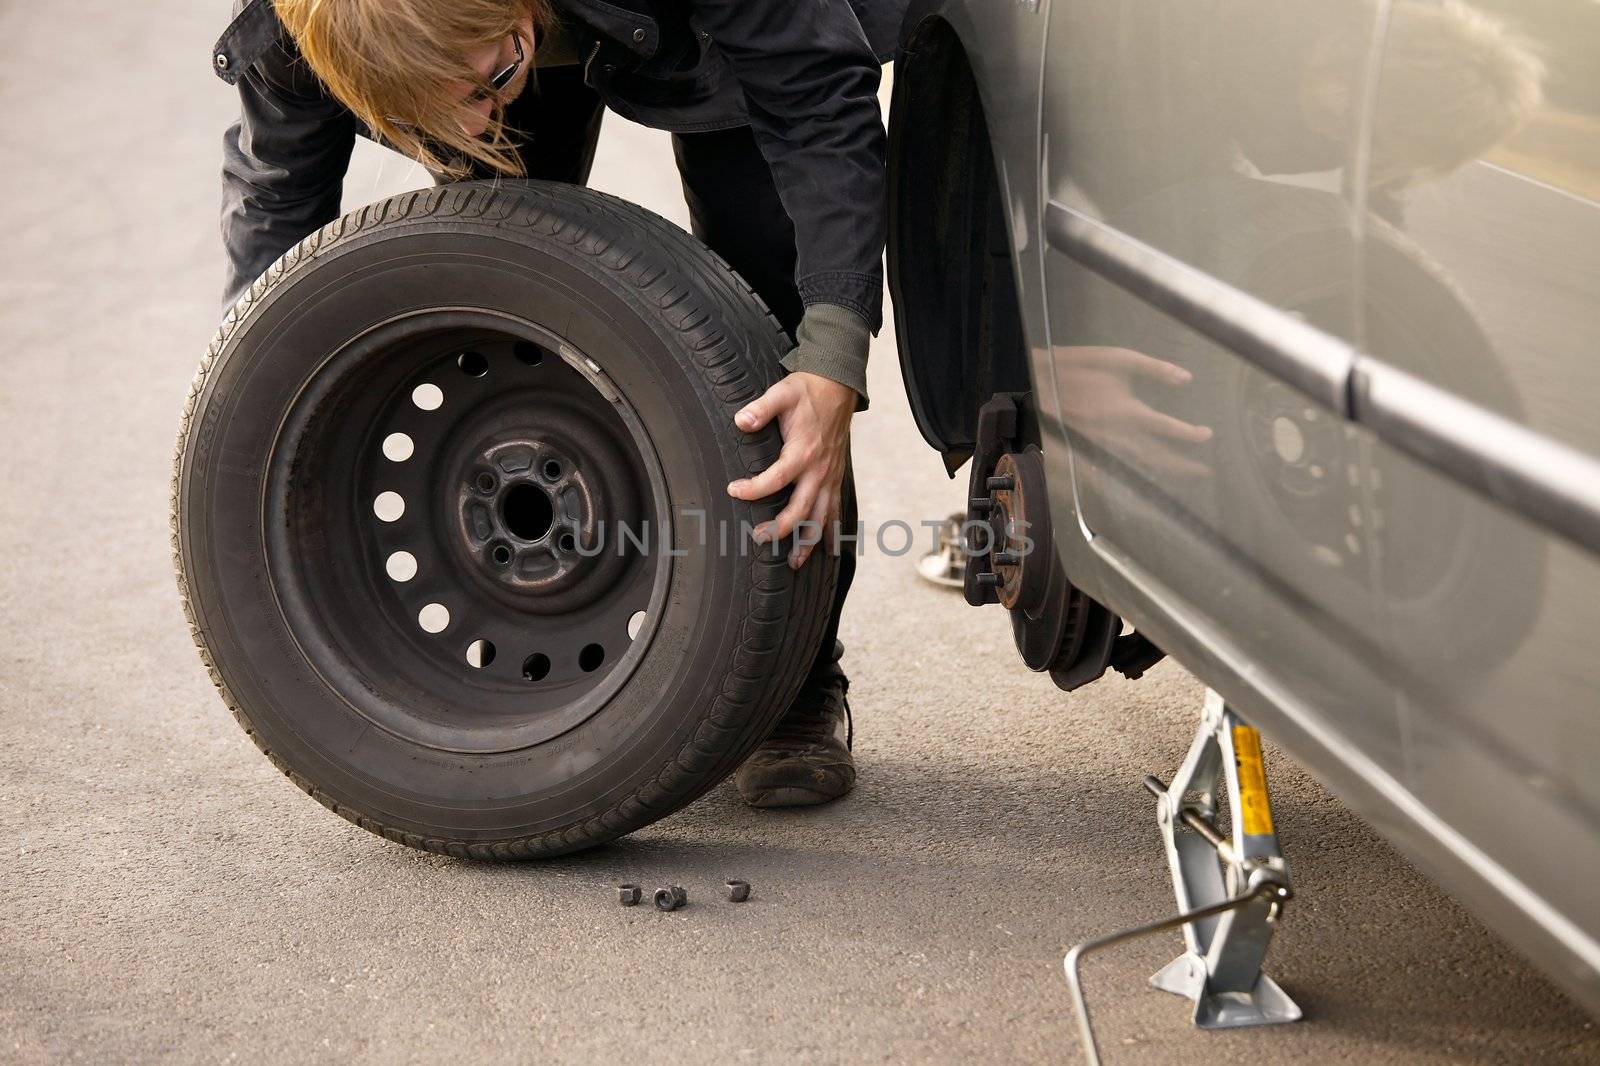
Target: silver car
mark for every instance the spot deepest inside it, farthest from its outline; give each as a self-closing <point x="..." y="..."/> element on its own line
<point x="1281" y="318"/>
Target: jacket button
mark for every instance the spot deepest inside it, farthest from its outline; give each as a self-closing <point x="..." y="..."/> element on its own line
<point x="222" y="61"/>
<point x="638" y="36"/>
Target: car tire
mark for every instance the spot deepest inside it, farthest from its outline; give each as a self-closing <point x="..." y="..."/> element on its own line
<point x="588" y="359"/>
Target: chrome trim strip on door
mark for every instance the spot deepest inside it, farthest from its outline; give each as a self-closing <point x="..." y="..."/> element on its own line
<point x="1540" y="479"/>
<point x="1302" y="355"/>
<point x="1537" y="478"/>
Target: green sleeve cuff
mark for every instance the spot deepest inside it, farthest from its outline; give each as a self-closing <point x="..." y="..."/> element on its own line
<point x="832" y="342"/>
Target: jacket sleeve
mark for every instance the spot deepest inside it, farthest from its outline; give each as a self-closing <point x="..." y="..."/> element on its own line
<point x="810" y="82"/>
<point x="283" y="170"/>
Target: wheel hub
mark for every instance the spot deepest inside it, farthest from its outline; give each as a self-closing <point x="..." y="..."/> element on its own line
<point x="530" y="516"/>
<point x="1020" y="533"/>
<point x="1310" y="466"/>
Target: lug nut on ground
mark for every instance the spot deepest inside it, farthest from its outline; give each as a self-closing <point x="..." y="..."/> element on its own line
<point x="671" y="898"/>
<point x="737" y="891"/>
<point x="628" y="895"/>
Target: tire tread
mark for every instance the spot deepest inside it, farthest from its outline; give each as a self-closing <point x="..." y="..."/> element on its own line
<point x="772" y="656"/>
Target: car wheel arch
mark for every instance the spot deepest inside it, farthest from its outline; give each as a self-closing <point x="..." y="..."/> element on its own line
<point x="958" y="317"/>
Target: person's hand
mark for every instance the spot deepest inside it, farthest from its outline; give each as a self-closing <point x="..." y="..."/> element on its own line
<point x="813" y="414"/>
<point x="1096" y="385"/>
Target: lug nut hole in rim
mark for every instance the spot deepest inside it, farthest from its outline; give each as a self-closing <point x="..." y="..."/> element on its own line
<point x="485" y="482"/>
<point x="472" y="364"/>
<point x="552" y="470"/>
<point x="501" y="554"/>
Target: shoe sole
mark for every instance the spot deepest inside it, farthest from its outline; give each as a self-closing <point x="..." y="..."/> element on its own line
<point x="790" y="797"/>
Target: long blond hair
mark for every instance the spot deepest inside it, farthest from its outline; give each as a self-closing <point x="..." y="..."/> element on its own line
<point x="1454" y="83"/>
<point x="388" y="61"/>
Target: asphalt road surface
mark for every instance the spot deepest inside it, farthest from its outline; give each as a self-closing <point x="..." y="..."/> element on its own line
<point x="165" y="893"/>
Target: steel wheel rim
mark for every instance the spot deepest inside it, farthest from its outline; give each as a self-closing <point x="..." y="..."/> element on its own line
<point x="530" y="590"/>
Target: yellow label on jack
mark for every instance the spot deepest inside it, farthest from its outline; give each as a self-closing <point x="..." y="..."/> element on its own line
<point x="1253" y="803"/>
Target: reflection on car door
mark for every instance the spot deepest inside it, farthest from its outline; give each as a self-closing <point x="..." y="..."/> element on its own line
<point x="1481" y="274"/>
<point x="1216" y="133"/>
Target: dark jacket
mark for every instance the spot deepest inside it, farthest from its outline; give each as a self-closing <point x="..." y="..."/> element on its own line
<point x="802" y="73"/>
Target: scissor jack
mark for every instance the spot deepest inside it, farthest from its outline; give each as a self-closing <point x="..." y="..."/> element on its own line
<point x="1231" y="888"/>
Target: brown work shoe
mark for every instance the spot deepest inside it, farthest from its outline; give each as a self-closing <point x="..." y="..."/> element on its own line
<point x="806" y="760"/>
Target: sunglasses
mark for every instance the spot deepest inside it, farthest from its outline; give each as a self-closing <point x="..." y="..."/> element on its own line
<point x="500" y="79"/>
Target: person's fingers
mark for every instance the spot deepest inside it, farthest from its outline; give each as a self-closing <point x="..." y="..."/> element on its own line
<point x="764" y="408"/>
<point x="1177" y="428"/>
<point x="791" y="463"/>
<point x="1104" y="357"/>
<point x="797" y="509"/>
<point x="1158" y="369"/>
<point x="817" y="528"/>
<point x="829" y="502"/>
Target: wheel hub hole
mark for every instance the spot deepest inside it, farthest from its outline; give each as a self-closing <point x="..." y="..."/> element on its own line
<point x="389" y="506"/>
<point x="401" y="566"/>
<point x="427" y="396"/>
<point x="528" y="511"/>
<point x="434" y="618"/>
<point x="1288" y="440"/>
<point x="472" y="364"/>
<point x="397" y="447"/>
<point x="590" y="658"/>
<point x="536" y="667"/>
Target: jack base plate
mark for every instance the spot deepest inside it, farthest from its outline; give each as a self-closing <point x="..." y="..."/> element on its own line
<point x="1265" y="1004"/>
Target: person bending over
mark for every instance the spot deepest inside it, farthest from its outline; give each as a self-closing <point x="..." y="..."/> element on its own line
<point x="779" y="144"/>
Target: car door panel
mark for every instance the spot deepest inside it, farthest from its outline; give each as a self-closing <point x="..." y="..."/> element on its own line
<point x="1234" y="490"/>
<point x="1481" y="277"/>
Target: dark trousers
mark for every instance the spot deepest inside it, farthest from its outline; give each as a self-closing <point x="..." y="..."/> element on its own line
<point x="733" y="208"/>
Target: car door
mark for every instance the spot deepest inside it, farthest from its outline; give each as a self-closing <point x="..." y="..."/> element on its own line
<point x="1197" y="222"/>
<point x="1481" y="276"/>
